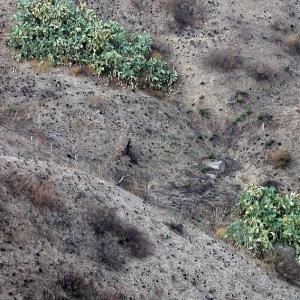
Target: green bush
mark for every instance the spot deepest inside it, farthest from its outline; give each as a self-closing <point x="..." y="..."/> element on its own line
<point x="266" y="219"/>
<point x="61" y="32"/>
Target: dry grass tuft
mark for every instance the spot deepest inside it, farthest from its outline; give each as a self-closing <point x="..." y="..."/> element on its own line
<point x="219" y="232"/>
<point x="95" y="101"/>
<point x="119" y="146"/>
<point x="280" y="158"/>
<point x="292" y="41"/>
<point x="155" y="54"/>
<point x="41" y="66"/>
<point x="40" y="193"/>
<point x="44" y="195"/>
<point x="76" y="71"/>
<point x="81" y="71"/>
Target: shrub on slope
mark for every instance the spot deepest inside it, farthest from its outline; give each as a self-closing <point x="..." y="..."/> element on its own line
<point x="267" y="220"/>
<point x="61" y="32"/>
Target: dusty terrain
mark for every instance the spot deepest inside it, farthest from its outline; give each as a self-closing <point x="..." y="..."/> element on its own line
<point x="73" y="144"/>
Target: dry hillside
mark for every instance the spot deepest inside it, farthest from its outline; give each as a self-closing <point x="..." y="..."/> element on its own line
<point x="112" y="193"/>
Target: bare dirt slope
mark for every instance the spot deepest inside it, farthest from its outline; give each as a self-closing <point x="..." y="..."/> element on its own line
<point x="71" y="144"/>
<point x="46" y="235"/>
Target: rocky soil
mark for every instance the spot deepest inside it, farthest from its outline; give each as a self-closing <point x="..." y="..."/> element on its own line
<point x="169" y="165"/>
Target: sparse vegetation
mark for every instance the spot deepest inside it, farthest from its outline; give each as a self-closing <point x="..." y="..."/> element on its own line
<point x="266" y="219"/>
<point x="242" y="117"/>
<point x="225" y="60"/>
<point x="62" y="33"/>
<point x="280" y="157"/>
<point x="129" y="166"/>
<point x="12" y="109"/>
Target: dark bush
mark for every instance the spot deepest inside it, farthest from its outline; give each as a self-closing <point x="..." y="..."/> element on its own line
<point x="286" y="265"/>
<point x="111" y="254"/>
<point x="271" y="184"/>
<point x="73" y="284"/>
<point x="188" y="12"/>
<point x="225" y="60"/>
<point x="139" y="245"/>
<point x="78" y="286"/>
<point x="261" y="71"/>
<point x="176" y="227"/>
<point x="106" y="222"/>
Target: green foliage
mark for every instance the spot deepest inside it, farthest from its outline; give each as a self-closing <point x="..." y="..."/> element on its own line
<point x="211" y="156"/>
<point x="204" y="112"/>
<point x="264" y="117"/>
<point x="270" y="142"/>
<point x="61" y="32"/>
<point x="266" y="219"/>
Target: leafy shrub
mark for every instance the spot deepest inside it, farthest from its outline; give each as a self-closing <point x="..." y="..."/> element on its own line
<point x="61" y="32"/>
<point x="266" y="219"/>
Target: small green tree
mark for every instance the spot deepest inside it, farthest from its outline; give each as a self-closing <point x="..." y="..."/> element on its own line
<point x="61" y="32"/>
<point x="266" y="219"/>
